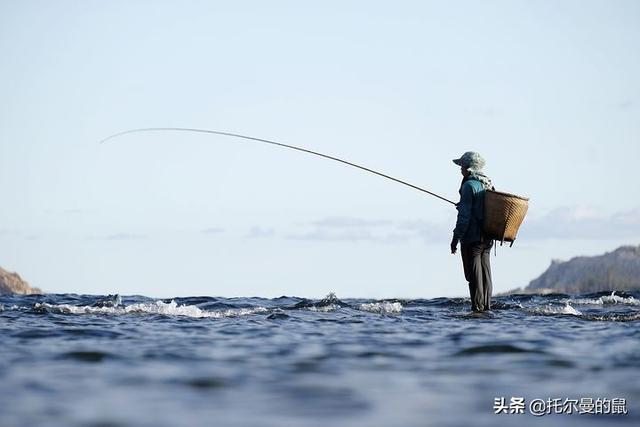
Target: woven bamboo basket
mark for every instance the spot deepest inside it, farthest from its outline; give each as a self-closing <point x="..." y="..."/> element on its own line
<point x="503" y="214"/>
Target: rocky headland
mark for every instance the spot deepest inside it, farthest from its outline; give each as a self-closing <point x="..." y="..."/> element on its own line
<point x="12" y="283"/>
<point x="618" y="270"/>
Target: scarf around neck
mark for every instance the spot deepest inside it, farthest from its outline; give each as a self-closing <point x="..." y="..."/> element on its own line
<point x="482" y="178"/>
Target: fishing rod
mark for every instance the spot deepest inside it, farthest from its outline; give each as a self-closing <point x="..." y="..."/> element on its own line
<point x="279" y="144"/>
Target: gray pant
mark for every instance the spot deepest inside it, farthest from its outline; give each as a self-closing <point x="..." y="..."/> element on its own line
<point x="477" y="270"/>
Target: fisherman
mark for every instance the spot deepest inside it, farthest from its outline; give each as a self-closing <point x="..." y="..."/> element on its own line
<point x="475" y="248"/>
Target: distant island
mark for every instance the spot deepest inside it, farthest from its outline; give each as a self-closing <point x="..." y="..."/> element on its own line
<point x="12" y="283"/>
<point x="618" y="270"/>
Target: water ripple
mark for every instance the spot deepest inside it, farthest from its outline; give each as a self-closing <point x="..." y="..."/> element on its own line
<point x="78" y="360"/>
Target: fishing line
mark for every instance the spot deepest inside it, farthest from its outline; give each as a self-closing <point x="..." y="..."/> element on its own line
<point x="279" y="144"/>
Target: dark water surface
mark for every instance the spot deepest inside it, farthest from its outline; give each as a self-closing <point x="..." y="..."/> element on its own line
<point x="79" y="360"/>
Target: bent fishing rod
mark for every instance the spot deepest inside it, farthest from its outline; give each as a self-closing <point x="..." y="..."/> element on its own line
<point x="279" y="144"/>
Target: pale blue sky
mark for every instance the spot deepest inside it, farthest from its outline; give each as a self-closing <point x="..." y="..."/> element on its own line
<point x="547" y="91"/>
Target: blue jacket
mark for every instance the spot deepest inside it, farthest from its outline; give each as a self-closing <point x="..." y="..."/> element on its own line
<point x="470" y="212"/>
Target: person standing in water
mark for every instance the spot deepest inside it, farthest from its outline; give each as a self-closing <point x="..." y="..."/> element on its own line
<point x="474" y="247"/>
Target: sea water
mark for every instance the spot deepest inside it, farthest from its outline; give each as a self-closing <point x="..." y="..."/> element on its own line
<point x="82" y="360"/>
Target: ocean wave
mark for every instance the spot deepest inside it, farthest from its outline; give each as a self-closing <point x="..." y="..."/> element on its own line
<point x="324" y="308"/>
<point x="326" y="304"/>
<point x="550" y="309"/>
<point x="158" y="307"/>
<point x="278" y="315"/>
<point x="614" y="317"/>
<point x="385" y="307"/>
<point x="501" y="305"/>
<point x="608" y="300"/>
<point x="495" y="348"/>
<point x="109" y="301"/>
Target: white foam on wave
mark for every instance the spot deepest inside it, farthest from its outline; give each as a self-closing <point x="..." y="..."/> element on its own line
<point x="157" y="307"/>
<point x="385" y="307"/>
<point x="549" y="309"/>
<point x="325" y="308"/>
<point x="608" y="300"/>
<point x="568" y="309"/>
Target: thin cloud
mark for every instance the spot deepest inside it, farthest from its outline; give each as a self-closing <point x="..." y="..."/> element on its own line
<point x="350" y="222"/>
<point x="578" y="222"/>
<point x="343" y="229"/>
<point x="625" y="105"/>
<point x="425" y="230"/>
<point x="257" y="232"/>
<point x="351" y="229"/>
<point x="334" y="235"/>
<point x="74" y="211"/>
<point x="575" y="222"/>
